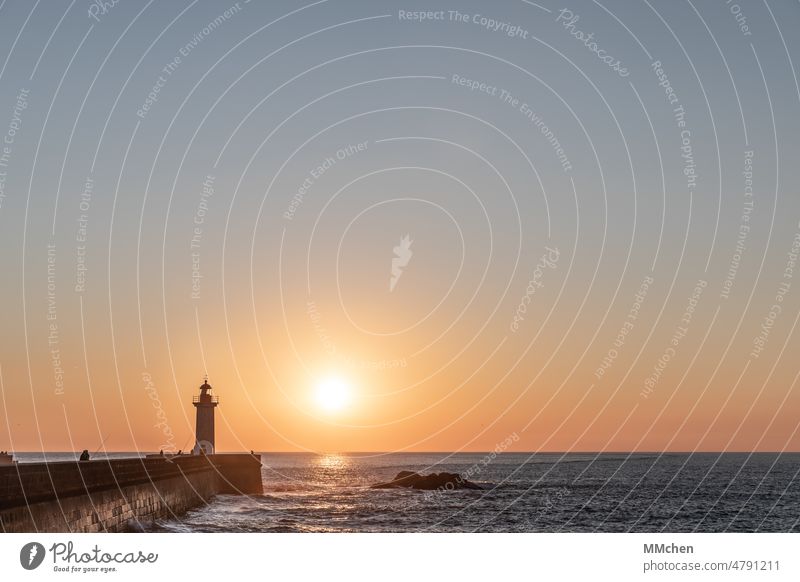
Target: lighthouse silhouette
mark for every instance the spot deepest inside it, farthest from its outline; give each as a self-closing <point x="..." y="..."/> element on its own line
<point x="205" y="404"/>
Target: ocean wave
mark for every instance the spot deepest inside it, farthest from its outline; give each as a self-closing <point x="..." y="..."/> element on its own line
<point x="293" y="487"/>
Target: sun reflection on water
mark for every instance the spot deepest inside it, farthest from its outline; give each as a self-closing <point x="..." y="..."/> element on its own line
<point x="332" y="461"/>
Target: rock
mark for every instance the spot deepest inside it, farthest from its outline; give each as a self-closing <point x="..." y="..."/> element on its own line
<point x="441" y="481"/>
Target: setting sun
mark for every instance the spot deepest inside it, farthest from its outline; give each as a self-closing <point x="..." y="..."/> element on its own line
<point x="332" y="394"/>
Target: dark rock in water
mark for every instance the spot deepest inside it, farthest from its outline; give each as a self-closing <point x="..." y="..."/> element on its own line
<point x="441" y="481"/>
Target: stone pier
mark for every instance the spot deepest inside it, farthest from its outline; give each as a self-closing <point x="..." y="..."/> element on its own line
<point x="120" y="494"/>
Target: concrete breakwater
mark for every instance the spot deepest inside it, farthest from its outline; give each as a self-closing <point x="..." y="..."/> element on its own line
<point x="119" y="494"/>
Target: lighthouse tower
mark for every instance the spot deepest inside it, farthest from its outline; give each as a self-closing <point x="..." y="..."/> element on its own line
<point x="205" y="404"/>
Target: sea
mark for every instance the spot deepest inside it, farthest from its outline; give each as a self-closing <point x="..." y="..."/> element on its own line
<point x="521" y="492"/>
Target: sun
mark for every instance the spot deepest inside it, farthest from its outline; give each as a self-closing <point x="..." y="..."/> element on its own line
<point x="333" y="394"/>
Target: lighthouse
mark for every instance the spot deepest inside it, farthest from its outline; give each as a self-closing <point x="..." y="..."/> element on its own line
<point x="205" y="404"/>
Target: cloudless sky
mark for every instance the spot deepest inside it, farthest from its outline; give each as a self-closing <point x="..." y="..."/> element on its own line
<point x="601" y="201"/>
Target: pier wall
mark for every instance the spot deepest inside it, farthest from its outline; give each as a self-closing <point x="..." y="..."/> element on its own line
<point x="117" y="495"/>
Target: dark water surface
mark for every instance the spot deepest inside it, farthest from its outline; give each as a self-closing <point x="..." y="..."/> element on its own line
<point x="524" y="493"/>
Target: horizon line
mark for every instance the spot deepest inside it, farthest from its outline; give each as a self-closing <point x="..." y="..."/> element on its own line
<point x="285" y="452"/>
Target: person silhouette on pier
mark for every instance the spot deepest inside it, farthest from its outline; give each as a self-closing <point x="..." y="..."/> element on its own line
<point x="84" y="455"/>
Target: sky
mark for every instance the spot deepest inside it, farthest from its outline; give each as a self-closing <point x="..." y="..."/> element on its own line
<point x="383" y="226"/>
